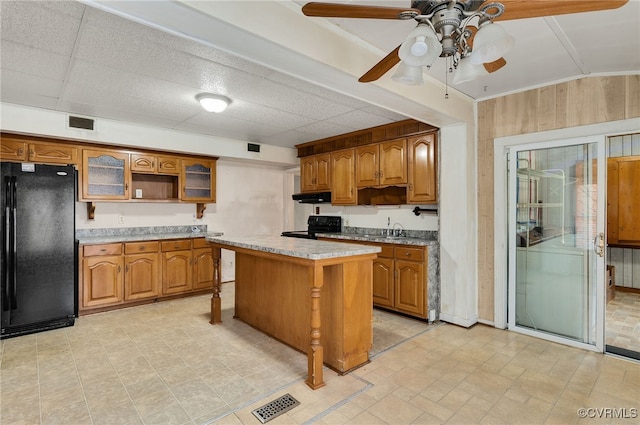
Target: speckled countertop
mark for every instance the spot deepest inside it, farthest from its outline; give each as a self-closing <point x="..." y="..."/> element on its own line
<point x="295" y="247"/>
<point x="138" y="234"/>
<point x="401" y="240"/>
<point x="88" y="240"/>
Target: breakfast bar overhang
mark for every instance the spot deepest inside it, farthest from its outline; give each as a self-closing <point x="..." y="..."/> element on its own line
<point x="315" y="296"/>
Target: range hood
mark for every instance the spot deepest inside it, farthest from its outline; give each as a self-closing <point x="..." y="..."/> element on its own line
<point x="312" y="198"/>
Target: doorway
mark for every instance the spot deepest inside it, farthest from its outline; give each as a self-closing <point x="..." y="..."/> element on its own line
<point x="622" y="310"/>
<point x="556" y="240"/>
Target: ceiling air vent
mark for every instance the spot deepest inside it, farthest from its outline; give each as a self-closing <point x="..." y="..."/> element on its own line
<point x="79" y="122"/>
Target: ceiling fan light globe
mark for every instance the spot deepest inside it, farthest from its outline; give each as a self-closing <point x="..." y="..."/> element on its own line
<point x="422" y="36"/>
<point x="409" y="75"/>
<point x="467" y="71"/>
<point x="490" y="43"/>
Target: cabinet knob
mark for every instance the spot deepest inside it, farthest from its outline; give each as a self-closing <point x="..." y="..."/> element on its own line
<point x="142" y="248"/>
<point x="103" y="250"/>
<point x="408" y="254"/>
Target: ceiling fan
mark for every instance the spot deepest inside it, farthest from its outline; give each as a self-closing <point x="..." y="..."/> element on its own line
<point x="460" y="30"/>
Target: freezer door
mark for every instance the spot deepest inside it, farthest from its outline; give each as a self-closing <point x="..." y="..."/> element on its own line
<point x="45" y="245"/>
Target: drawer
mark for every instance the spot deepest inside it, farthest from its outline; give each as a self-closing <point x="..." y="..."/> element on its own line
<point x="102" y="249"/>
<point x="201" y="243"/>
<point x="414" y="254"/>
<point x="176" y="245"/>
<point x="141" y="247"/>
<point x="387" y="251"/>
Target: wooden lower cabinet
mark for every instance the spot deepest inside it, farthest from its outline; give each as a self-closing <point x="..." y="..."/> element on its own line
<point x="113" y="275"/>
<point x="102" y="275"/>
<point x="141" y="265"/>
<point x="176" y="272"/>
<point x="383" y="278"/>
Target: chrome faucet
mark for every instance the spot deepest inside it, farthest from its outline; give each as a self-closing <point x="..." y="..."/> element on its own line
<point x="398" y="232"/>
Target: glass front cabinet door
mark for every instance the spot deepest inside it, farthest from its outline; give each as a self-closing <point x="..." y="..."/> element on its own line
<point x="105" y="175"/>
<point x="198" y="180"/>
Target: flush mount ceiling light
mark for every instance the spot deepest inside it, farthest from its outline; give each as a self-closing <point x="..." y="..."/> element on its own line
<point x="213" y="102"/>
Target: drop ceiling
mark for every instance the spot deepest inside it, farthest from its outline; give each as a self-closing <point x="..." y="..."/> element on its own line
<point x="144" y="62"/>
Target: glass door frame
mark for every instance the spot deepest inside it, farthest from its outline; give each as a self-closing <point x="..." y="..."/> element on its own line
<point x="597" y="320"/>
<point x="500" y="226"/>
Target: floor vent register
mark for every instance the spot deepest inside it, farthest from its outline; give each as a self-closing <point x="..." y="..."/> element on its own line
<point x="275" y="408"/>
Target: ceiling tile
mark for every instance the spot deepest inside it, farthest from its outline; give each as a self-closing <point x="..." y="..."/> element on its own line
<point x="51" y="27"/>
<point x="33" y="61"/>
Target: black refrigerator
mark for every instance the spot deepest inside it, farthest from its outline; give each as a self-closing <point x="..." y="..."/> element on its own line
<point x="39" y="248"/>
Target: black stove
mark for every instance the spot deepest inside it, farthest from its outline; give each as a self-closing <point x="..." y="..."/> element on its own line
<point x="317" y="224"/>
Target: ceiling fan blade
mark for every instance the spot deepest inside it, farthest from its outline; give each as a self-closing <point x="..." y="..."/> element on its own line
<point x="381" y="67"/>
<point x="519" y="9"/>
<point x="495" y="65"/>
<point x="332" y="10"/>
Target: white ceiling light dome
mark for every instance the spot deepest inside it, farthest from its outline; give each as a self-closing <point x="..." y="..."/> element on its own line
<point x="213" y="102"/>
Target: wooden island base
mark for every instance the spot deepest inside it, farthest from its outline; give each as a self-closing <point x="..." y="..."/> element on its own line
<point x="321" y="307"/>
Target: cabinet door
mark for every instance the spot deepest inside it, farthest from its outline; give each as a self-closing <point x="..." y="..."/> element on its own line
<point x="323" y="172"/>
<point x="307" y="174"/>
<point x="198" y="180"/>
<point x="383" y="282"/>
<point x="104" y="175"/>
<point x="53" y="153"/>
<point x="343" y="191"/>
<point x="623" y="201"/>
<point x="202" y="268"/>
<point x="393" y="162"/>
<point x="143" y="163"/>
<point x="367" y="166"/>
<point x="176" y="272"/>
<point x="101" y="280"/>
<point x="168" y="165"/>
<point x="13" y="150"/>
<point x="141" y="276"/>
<point x="422" y="169"/>
<point x="410" y="287"/>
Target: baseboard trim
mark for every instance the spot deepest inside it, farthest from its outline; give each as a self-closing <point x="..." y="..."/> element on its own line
<point x="466" y="323"/>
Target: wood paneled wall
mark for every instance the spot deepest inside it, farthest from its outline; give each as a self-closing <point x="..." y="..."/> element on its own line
<point x="625" y="260"/>
<point x="575" y="103"/>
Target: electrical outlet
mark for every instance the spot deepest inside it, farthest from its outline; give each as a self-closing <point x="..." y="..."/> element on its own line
<point x="121" y="219"/>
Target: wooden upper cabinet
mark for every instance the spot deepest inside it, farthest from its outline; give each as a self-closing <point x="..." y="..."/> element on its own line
<point x="198" y="179"/>
<point x="382" y="164"/>
<point x="105" y="175"/>
<point x="147" y="163"/>
<point x="423" y="173"/>
<point x="623" y="201"/>
<point x="315" y="173"/>
<point x="23" y="150"/>
<point x="13" y="150"/>
<point x="393" y="162"/>
<point x="343" y="181"/>
<point x="53" y="153"/>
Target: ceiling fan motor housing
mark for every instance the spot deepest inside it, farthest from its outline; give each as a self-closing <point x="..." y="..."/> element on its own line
<point x="428" y="6"/>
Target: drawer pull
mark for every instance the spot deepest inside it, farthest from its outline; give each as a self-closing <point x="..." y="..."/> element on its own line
<point x="408" y="254"/>
<point x="103" y="249"/>
<point x="142" y="248"/>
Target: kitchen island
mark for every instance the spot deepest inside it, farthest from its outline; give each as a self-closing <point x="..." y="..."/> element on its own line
<point x="315" y="296"/>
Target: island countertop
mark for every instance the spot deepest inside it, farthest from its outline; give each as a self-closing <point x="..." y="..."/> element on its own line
<point x="295" y="247"/>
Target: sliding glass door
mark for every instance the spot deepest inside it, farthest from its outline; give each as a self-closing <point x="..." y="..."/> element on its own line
<point x="556" y="241"/>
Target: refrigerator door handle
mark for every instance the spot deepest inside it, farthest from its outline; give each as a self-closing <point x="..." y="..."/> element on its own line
<point x="14" y="241"/>
<point x="6" y="244"/>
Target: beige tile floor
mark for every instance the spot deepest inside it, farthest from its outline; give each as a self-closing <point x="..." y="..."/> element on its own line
<point x="164" y="364"/>
<point x="622" y="321"/>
